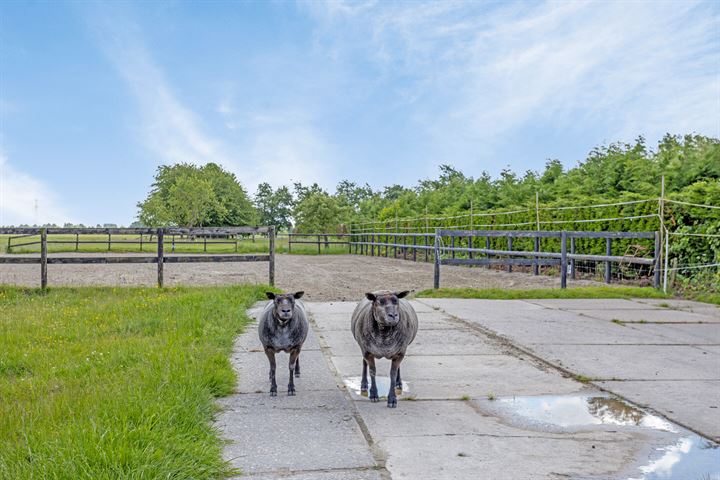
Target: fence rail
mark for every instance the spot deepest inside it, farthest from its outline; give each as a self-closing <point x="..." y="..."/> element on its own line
<point x="320" y="239"/>
<point x="160" y="259"/>
<point x="444" y="242"/>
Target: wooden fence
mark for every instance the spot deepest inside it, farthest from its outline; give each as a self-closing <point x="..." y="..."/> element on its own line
<point x="449" y="243"/>
<point x="160" y="259"/>
<point x="142" y="240"/>
<point x="325" y="239"/>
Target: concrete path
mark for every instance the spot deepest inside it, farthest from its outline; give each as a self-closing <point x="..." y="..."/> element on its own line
<point x="486" y="398"/>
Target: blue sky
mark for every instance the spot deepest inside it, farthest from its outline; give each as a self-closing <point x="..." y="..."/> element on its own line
<point x="94" y="96"/>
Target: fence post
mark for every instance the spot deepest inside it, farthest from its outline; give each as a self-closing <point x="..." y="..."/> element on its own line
<point x="414" y="248"/>
<point x="271" y="237"/>
<point x="8" y="246"/>
<point x="141" y="242"/>
<point x="536" y="267"/>
<point x="43" y="258"/>
<point x="452" y="245"/>
<point x="109" y="241"/>
<point x="349" y="239"/>
<point x="372" y="246"/>
<point x="427" y="250"/>
<point x="318" y="241"/>
<point x="656" y="263"/>
<point x="487" y="247"/>
<point x="204" y="243"/>
<point x="160" y="255"/>
<point x="436" y="271"/>
<point x="563" y="259"/>
<point x="572" y="260"/>
<point x="387" y="245"/>
<point x="510" y="245"/>
<point x="77" y="242"/>
<point x="608" y="265"/>
<point x="290" y="242"/>
<point x="173" y="243"/>
<point x="470" y="242"/>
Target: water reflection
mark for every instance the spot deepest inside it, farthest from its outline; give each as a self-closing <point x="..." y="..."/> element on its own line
<point x="691" y="457"/>
<point x="568" y="411"/>
<point x="383" y="385"/>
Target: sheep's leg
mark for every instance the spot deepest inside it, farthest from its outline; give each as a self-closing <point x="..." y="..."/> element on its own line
<point x="297" y="366"/>
<point x="398" y="383"/>
<point x="293" y="359"/>
<point x="363" y="382"/>
<point x="395" y="366"/>
<point x="271" y="357"/>
<point x="373" y="386"/>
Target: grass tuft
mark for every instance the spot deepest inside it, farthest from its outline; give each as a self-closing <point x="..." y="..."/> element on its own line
<point x="100" y="383"/>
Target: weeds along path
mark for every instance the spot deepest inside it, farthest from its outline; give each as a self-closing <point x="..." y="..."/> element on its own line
<point x="322" y="277"/>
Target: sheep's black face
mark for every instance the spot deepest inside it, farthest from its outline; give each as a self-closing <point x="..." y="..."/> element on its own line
<point x="386" y="308"/>
<point x="284" y="305"/>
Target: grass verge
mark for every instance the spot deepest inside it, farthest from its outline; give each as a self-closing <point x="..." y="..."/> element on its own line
<point x="579" y="292"/>
<point x="101" y="383"/>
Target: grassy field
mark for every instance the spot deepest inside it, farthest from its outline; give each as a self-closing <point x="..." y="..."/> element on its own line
<point x="115" y="383"/>
<point x="260" y="245"/>
<point x="509" y="294"/>
<point x="578" y="292"/>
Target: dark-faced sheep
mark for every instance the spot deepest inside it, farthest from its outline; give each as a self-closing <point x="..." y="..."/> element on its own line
<point x="283" y="327"/>
<point x="383" y="324"/>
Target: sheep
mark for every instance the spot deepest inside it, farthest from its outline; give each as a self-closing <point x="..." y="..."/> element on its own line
<point x="383" y="325"/>
<point x="283" y="326"/>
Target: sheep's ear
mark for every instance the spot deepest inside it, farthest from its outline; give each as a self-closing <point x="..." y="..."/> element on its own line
<point x="402" y="294"/>
<point x="270" y="295"/>
<point x="370" y="296"/>
<point x="298" y="294"/>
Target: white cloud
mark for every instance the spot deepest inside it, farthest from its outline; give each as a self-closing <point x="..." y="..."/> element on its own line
<point x="476" y="72"/>
<point x="19" y="193"/>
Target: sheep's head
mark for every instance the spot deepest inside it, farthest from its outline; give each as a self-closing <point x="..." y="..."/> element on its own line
<point x="284" y="305"/>
<point x="386" y="307"/>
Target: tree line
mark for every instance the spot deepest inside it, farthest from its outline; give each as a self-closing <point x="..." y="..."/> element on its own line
<point x="189" y="195"/>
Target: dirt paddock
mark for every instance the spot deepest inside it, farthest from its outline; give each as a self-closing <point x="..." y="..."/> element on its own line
<point x="322" y="277"/>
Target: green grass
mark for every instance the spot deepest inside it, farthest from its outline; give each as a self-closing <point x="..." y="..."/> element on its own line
<point x="260" y="245"/>
<point x="579" y="292"/>
<point x="113" y="383"/>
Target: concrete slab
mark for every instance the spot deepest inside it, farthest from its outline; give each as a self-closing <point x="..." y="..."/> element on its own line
<point x="341" y="321"/>
<point x="654" y="315"/>
<point x="589" y="304"/>
<point x="253" y="370"/>
<point x="505" y="458"/>
<point x="633" y="362"/>
<point x="589" y="331"/>
<point x="687" y="305"/>
<point x="268" y="439"/>
<point x="427" y="342"/>
<point x="452" y="377"/>
<point x="692" y="403"/>
<point x="688" y="333"/>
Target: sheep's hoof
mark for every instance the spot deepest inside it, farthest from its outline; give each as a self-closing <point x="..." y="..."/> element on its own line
<point x="398" y="391"/>
<point x="291" y="391"/>
<point x="297" y="374"/>
<point x="392" y="402"/>
<point x="374" y="397"/>
<point x="273" y="393"/>
<point x="364" y="392"/>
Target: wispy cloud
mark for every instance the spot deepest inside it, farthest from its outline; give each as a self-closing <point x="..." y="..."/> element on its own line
<point x="19" y="195"/>
<point x="475" y="72"/>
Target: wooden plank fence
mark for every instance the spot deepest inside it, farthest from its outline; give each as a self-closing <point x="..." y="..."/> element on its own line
<point x="445" y="241"/>
<point x="320" y="239"/>
<point x="160" y="258"/>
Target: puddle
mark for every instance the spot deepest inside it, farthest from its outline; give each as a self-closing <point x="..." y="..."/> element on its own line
<point x="568" y="411"/>
<point x="383" y="385"/>
<point x="689" y="456"/>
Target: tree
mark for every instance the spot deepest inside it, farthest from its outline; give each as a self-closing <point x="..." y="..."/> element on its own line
<point x="274" y="207"/>
<point x="191" y="196"/>
<point x="318" y="212"/>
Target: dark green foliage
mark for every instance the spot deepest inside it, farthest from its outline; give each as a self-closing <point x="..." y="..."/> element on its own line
<point x="190" y="196"/>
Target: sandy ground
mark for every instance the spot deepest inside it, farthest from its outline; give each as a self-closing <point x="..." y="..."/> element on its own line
<point x="323" y="278"/>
